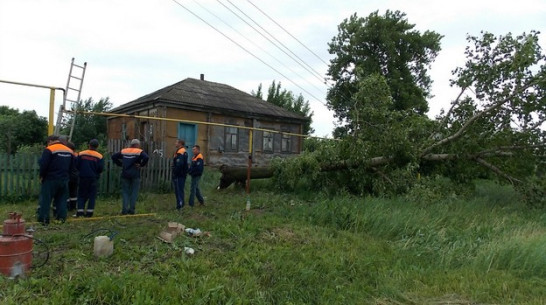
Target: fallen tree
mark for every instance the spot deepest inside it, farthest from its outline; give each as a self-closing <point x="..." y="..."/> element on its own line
<point x="494" y="128"/>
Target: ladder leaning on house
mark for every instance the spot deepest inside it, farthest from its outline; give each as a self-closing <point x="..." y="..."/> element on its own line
<point x="72" y="95"/>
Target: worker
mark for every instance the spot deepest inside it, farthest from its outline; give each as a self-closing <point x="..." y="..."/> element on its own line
<point x="196" y="171"/>
<point x="90" y="165"/>
<point x="56" y="162"/>
<point x="131" y="159"/>
<point x="179" y="172"/>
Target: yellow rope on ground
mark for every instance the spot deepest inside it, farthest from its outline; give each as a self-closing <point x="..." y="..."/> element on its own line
<point x="95" y="218"/>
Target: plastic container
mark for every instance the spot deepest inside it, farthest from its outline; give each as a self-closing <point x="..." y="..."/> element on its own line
<point x="103" y="246"/>
<point x="193" y="232"/>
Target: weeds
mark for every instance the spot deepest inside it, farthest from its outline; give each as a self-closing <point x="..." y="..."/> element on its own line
<point x="305" y="248"/>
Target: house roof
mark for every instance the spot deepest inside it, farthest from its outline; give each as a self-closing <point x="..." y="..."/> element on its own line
<point x="204" y="95"/>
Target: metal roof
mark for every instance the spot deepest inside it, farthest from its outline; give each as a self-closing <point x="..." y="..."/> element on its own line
<point x="203" y="95"/>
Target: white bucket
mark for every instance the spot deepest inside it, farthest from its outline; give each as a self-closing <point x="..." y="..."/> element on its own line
<point x="103" y="246"/>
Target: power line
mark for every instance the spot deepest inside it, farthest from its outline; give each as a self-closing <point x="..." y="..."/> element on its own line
<point x="246" y="50"/>
<point x="324" y="80"/>
<point x="257" y="45"/>
<point x="300" y="62"/>
<point x="286" y="31"/>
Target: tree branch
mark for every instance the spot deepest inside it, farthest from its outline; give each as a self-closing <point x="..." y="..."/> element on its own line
<point x="497" y="171"/>
<point x="470" y="121"/>
<point x="537" y="124"/>
<point x="501" y="148"/>
<point x="382" y="174"/>
<point x="455" y="103"/>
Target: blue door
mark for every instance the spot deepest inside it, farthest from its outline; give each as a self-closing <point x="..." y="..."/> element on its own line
<point x="188" y="133"/>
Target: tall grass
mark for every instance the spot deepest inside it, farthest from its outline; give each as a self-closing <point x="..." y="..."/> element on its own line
<point x="299" y="248"/>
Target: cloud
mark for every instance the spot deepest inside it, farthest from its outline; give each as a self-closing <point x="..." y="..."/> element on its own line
<point x="135" y="47"/>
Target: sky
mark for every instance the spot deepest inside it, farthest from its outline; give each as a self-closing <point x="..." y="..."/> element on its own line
<point x="135" y="47"/>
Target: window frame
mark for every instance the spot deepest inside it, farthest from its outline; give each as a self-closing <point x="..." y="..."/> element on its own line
<point x="229" y="134"/>
<point x="124" y="131"/>
<point x="267" y="135"/>
<point x="288" y="139"/>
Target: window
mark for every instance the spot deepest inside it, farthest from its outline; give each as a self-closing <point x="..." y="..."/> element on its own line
<point x="146" y="131"/>
<point x="231" y="139"/>
<point x="268" y="141"/>
<point x="124" y="131"/>
<point x="285" y="143"/>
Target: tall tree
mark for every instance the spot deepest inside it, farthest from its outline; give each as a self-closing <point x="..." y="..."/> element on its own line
<point x="18" y="129"/>
<point x="287" y="100"/>
<point x="385" y="45"/>
<point x="259" y="94"/>
<point x="89" y="127"/>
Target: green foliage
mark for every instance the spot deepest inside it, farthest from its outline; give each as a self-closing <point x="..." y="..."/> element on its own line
<point x="20" y="129"/>
<point x="386" y="45"/>
<point x="436" y="188"/>
<point x="533" y="191"/>
<point x="89" y="127"/>
<point x="486" y="249"/>
<point x="494" y="128"/>
<point x="31" y="150"/>
<point x="287" y="100"/>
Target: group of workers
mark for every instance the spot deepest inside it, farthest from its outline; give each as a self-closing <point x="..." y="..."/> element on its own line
<point x="70" y="179"/>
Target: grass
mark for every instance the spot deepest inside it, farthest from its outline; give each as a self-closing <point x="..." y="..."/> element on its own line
<point x="298" y="249"/>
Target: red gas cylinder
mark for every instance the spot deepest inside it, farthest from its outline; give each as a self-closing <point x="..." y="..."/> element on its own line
<point x="15" y="247"/>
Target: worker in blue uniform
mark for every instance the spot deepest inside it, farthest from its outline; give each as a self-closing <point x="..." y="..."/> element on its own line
<point x="179" y="172"/>
<point x="56" y="163"/>
<point x="90" y="164"/>
<point x="196" y="171"/>
<point x="131" y="160"/>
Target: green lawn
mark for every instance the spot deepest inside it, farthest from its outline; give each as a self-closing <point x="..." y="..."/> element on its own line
<point x="490" y="249"/>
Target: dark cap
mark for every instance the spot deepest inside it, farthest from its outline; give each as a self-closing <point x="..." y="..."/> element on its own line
<point x="63" y="139"/>
<point x="94" y="143"/>
<point x="53" y="138"/>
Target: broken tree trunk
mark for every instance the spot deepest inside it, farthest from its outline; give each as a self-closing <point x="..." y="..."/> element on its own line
<point x="238" y="174"/>
<point x="232" y="175"/>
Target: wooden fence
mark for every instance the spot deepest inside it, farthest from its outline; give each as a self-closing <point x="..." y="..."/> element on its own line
<point x="19" y="176"/>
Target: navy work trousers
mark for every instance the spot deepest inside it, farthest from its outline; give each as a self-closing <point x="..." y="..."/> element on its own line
<point x="56" y="190"/>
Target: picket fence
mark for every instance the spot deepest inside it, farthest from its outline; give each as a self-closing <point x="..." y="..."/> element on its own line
<point x="19" y="176"/>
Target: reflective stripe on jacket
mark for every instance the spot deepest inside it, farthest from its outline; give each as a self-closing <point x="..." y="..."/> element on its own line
<point x="90" y="163"/>
<point x="197" y="163"/>
<point x="128" y="158"/>
<point x="180" y="163"/>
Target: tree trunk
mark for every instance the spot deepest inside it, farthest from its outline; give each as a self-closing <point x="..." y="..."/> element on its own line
<point x="238" y="174"/>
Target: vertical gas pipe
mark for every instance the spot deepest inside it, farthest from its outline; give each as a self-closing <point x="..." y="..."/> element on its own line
<point x="248" y="169"/>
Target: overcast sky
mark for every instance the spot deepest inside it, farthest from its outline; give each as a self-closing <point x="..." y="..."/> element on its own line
<point x="136" y="47"/>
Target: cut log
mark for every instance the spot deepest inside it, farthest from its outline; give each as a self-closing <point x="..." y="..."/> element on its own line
<point x="238" y="174"/>
<point x="231" y="174"/>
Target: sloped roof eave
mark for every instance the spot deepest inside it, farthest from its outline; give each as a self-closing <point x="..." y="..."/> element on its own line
<point x="209" y="96"/>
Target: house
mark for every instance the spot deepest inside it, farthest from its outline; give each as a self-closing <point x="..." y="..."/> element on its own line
<point x="198" y="100"/>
